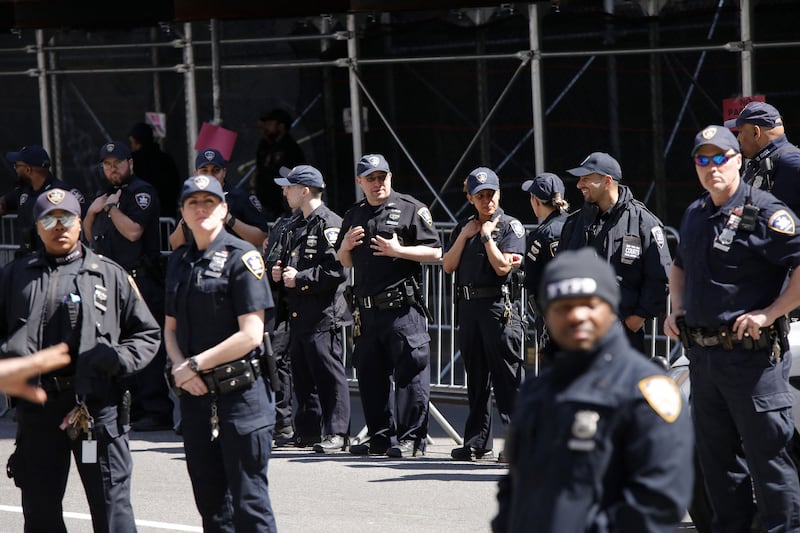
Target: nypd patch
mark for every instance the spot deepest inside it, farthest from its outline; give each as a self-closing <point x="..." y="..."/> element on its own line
<point x="517" y="228"/>
<point x="781" y="221"/>
<point x="143" y="200"/>
<point x="255" y="202"/>
<point x="23" y="198"/>
<point x="55" y="197"/>
<point x="425" y="215"/>
<point x="331" y="235"/>
<point x="663" y="396"/>
<point x="658" y="236"/>
<point x="553" y="248"/>
<point x="254" y="263"/>
<point x="77" y="194"/>
<point x="209" y="155"/>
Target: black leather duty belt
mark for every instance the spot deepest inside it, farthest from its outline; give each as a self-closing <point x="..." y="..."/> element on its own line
<point x="468" y="292"/>
<point x="391" y="299"/>
<point x="727" y="339"/>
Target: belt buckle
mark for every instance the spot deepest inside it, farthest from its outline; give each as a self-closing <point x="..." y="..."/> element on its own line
<point x="465" y="292"/>
<point x="366" y="302"/>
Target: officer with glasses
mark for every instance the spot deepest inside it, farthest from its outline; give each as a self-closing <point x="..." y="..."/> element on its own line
<point x="730" y="295"/>
<point x="67" y="293"/>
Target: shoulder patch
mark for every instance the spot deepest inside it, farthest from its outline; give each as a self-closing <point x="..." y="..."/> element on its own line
<point x="425" y="215"/>
<point x="143" y="200"/>
<point x="517" y="228"/>
<point x="658" y="236"/>
<point x="256" y="203"/>
<point x="553" y="248"/>
<point x="254" y="263"/>
<point x="781" y="221"/>
<point x="331" y="235"/>
<point x="77" y="194"/>
<point x="663" y="396"/>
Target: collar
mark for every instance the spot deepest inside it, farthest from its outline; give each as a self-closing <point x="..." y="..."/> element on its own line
<point x="770" y="149"/>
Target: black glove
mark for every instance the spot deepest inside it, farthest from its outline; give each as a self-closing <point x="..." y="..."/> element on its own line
<point x="100" y="363"/>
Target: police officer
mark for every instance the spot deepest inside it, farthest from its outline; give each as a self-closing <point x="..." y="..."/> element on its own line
<point x="482" y="249"/>
<point x="625" y="234"/>
<point x="599" y="441"/>
<point x="774" y="162"/>
<point x="385" y="237"/>
<point x="548" y="204"/>
<point x="245" y="217"/>
<point x="216" y="297"/>
<point x="314" y="281"/>
<point x="737" y="246"/>
<point x="32" y="165"/>
<point x="68" y="293"/>
<point x="122" y="224"/>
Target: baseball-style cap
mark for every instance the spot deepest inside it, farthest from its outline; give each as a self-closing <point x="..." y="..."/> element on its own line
<point x="34" y="155"/>
<point x="371" y="163"/>
<point x="278" y="115"/>
<point x="757" y="113"/>
<point x="115" y="149"/>
<point x="202" y="183"/>
<point x="482" y="178"/>
<point x="599" y="162"/>
<point x="544" y="186"/>
<point x="578" y="274"/>
<point x="719" y="136"/>
<point x="300" y="175"/>
<point x="209" y="156"/>
<point x="53" y="200"/>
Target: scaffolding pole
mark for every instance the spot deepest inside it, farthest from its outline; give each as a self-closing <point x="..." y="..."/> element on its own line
<point x="537" y="112"/>
<point x="215" y="71"/>
<point x="355" y="96"/>
<point x="44" y="101"/>
<point x="191" y="95"/>
<point x="745" y="14"/>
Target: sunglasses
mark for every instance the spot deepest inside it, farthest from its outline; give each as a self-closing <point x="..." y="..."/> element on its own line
<point x="67" y="220"/>
<point x="717" y="159"/>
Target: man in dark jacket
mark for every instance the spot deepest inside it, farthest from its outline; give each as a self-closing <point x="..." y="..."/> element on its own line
<point x="156" y="167"/>
<point x="627" y="235"/>
<point x="600" y="440"/>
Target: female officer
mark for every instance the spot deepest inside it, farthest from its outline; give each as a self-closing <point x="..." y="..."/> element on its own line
<point x="550" y="208"/>
<point x="216" y="298"/>
<point x="483" y="250"/>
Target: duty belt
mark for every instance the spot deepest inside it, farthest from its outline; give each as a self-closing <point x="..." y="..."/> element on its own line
<point x="727" y="339"/>
<point x="57" y="383"/>
<point x="468" y="292"/>
<point x="391" y="299"/>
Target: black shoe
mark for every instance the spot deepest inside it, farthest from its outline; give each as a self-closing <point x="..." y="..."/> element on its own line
<point x="502" y="457"/>
<point x="369" y="447"/>
<point x="405" y="448"/>
<point x="465" y="453"/>
<point x="332" y="443"/>
<point x="284" y="441"/>
<point x="151" y="423"/>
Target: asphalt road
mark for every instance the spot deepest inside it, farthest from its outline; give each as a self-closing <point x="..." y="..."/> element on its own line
<point x="310" y="492"/>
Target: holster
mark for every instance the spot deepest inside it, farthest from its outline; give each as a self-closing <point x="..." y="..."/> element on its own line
<point x="683" y="332"/>
<point x="269" y="363"/>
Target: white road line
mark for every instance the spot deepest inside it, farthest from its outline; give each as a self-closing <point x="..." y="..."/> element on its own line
<point x="141" y="523"/>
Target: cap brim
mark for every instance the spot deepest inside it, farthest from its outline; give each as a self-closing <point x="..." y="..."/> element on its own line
<point x="483" y="187"/>
<point x="284" y="171"/>
<point x="14" y="157"/>
<point x="526" y="185"/>
<point x="283" y="182"/>
<point x="581" y="171"/>
<point x="731" y="124"/>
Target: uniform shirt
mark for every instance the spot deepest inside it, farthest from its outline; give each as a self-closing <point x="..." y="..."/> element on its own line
<point x="721" y="284"/>
<point x="139" y="202"/>
<point x="602" y="445"/>
<point x="785" y="176"/>
<point x="246" y="207"/>
<point x="541" y="246"/>
<point x="474" y="267"/>
<point x="208" y="290"/>
<point x="400" y="214"/>
<point x="316" y="303"/>
<point x="632" y="240"/>
<point x="22" y="199"/>
<point x="112" y="313"/>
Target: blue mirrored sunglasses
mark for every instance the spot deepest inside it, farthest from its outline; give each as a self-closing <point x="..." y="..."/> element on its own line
<point x="717" y="159"/>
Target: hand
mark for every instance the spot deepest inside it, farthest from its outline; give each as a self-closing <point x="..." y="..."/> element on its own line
<point x="276" y="272"/>
<point x="634" y="322"/>
<point x="289" y="275"/>
<point x="751" y="324"/>
<point x="488" y="227"/>
<point x="188" y="380"/>
<point x="471" y="228"/>
<point x="352" y="238"/>
<point x="385" y="247"/>
<point x="671" y="324"/>
<point x="98" y="204"/>
<point x="515" y="261"/>
<point x="113" y="198"/>
<point x="15" y="372"/>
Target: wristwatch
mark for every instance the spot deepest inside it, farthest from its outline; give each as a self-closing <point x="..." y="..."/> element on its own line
<point x="486" y="238"/>
<point x="193" y="365"/>
<point x="229" y="221"/>
<point x="108" y="207"/>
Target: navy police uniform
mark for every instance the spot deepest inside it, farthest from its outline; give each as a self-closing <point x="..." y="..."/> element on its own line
<point x="317" y="312"/>
<point x="90" y="302"/>
<point x="632" y="240"/>
<point x="489" y="329"/>
<point x="735" y="259"/>
<point x="605" y="447"/>
<point x="776" y="168"/>
<point x="207" y="290"/>
<point x="393" y="340"/>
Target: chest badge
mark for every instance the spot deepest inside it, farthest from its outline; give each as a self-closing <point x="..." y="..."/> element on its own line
<point x="584" y="429"/>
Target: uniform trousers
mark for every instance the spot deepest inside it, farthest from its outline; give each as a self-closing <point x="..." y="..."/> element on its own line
<point x="394" y="345"/>
<point x="320" y="383"/>
<point x="284" y="387"/>
<point x="229" y="474"/>
<point x="741" y="408"/>
<point x="491" y="351"/>
<point x="42" y="462"/>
